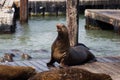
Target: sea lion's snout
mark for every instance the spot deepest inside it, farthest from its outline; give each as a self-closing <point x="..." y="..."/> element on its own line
<point x="58" y="27"/>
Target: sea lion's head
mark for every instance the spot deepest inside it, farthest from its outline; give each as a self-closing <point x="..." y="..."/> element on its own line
<point x="62" y="30"/>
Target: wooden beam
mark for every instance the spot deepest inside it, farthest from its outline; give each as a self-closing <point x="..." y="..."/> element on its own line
<point x="23" y="11"/>
<point x="73" y="20"/>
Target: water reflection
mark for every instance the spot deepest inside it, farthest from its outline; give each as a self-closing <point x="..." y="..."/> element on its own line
<point x="102" y="43"/>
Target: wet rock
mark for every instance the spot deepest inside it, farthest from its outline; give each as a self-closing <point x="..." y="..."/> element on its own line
<point x="15" y="72"/>
<point x="26" y="56"/>
<point x="70" y="74"/>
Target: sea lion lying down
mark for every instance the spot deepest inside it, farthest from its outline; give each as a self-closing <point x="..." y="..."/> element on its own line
<point x="70" y="74"/>
<point x="16" y="72"/>
<point x="66" y="55"/>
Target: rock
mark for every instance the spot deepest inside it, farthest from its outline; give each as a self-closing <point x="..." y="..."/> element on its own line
<point x="69" y="74"/>
<point x="15" y="72"/>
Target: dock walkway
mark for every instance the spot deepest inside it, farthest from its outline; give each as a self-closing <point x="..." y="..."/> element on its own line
<point x="108" y="65"/>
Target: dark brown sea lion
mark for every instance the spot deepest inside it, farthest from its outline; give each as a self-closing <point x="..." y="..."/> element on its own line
<point x="16" y="72"/>
<point x="70" y="74"/>
<point x="66" y="55"/>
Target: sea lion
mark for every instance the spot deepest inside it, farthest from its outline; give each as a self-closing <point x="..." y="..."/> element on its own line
<point x="26" y="56"/>
<point x="62" y="53"/>
<point x="16" y="72"/>
<point x="8" y="57"/>
<point x="70" y="74"/>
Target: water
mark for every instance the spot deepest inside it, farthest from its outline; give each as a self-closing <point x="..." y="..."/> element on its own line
<point x="36" y="37"/>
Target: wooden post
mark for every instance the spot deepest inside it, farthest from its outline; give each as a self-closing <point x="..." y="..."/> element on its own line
<point x="43" y="11"/>
<point x="72" y="20"/>
<point x="23" y="11"/>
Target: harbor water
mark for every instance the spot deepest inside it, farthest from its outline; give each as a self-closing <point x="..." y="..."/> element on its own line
<point x="36" y="37"/>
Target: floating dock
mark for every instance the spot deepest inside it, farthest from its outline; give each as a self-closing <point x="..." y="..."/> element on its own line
<point x="107" y="65"/>
<point x="103" y="18"/>
<point x="7" y="23"/>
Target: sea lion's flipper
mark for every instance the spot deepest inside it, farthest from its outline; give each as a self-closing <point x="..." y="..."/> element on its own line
<point x="62" y="64"/>
<point x="91" y="58"/>
<point x="50" y="64"/>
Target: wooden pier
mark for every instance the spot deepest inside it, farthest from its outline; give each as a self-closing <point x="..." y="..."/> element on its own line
<point x="107" y="65"/>
<point x="109" y="16"/>
<point x="58" y="7"/>
<point x="7" y="24"/>
<point x="85" y="2"/>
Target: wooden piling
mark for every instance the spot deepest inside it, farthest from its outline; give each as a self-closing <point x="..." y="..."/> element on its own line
<point x="43" y="11"/>
<point x="72" y="20"/>
<point x="23" y="11"/>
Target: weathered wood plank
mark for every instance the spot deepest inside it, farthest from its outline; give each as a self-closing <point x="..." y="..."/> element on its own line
<point x="117" y="65"/>
<point x="116" y="59"/>
<point x="7" y="3"/>
<point x="38" y="68"/>
<point x="28" y="63"/>
<point x="98" y="67"/>
<point x="110" y="68"/>
<point x="7" y="23"/>
<point x="2" y="2"/>
<point x="100" y="59"/>
<point x="106" y="15"/>
<point x="43" y="68"/>
<point x="11" y="64"/>
<point x="92" y="67"/>
<point x="41" y="62"/>
<point x="19" y="63"/>
<point x="109" y="65"/>
<point x="10" y="3"/>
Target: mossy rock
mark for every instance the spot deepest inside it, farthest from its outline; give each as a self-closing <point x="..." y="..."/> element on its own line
<point x="16" y="72"/>
<point x="70" y="74"/>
